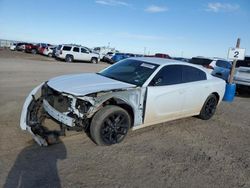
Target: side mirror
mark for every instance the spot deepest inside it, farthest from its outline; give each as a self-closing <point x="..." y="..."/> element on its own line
<point x="156" y="81"/>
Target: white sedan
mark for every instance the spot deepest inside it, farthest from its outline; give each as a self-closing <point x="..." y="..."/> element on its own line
<point x="48" y="51"/>
<point x="131" y="94"/>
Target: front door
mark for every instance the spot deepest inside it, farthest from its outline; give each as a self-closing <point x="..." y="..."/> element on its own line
<point x="165" y="95"/>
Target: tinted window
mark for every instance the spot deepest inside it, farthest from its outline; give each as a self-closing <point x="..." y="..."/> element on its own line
<point x="75" y="49"/>
<point x="130" y="71"/>
<point x="192" y="74"/>
<point x="200" y="61"/>
<point x="223" y="64"/>
<point x="168" y="75"/>
<point x="243" y="63"/>
<point x="83" y="50"/>
<point x="67" y="48"/>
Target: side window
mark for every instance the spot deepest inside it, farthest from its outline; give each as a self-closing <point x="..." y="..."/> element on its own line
<point x="83" y="50"/>
<point x="192" y="74"/>
<point x="67" y="48"/>
<point x="168" y="75"/>
<point x="75" y="49"/>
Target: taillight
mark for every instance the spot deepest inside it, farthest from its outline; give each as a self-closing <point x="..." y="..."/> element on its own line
<point x="60" y="51"/>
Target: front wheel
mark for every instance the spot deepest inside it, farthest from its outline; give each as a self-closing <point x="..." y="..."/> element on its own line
<point x="94" y="61"/>
<point x="209" y="107"/>
<point x="110" y="125"/>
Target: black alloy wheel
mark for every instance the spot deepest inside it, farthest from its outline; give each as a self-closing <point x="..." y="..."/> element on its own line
<point x="110" y="125"/>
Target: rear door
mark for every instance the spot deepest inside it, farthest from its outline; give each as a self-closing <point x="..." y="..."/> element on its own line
<point x="76" y="53"/>
<point x="196" y="89"/>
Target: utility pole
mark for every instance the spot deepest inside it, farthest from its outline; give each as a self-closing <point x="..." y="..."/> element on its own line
<point x="234" y="64"/>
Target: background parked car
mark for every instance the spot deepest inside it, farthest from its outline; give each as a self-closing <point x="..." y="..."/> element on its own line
<point x="102" y="51"/>
<point x="21" y="46"/>
<point x="31" y="48"/>
<point x="13" y="47"/>
<point x="160" y="55"/>
<point x="213" y="63"/>
<point x="108" y="57"/>
<point x="48" y="51"/>
<point x="70" y="53"/>
<point x="242" y="75"/>
<point x="222" y="69"/>
<point x="118" y="57"/>
<point x="41" y="47"/>
<point x="181" y="59"/>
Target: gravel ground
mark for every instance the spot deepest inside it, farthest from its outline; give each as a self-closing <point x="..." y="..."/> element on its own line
<point x="183" y="153"/>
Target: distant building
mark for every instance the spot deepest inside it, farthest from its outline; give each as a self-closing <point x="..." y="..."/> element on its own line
<point x="7" y="43"/>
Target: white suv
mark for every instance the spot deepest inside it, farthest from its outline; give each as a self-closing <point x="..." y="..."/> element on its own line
<point x="74" y="52"/>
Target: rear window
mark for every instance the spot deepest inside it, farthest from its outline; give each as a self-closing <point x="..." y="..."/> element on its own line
<point x="243" y="63"/>
<point x="223" y="64"/>
<point x="200" y="61"/>
<point x="192" y="74"/>
<point x="67" y="48"/>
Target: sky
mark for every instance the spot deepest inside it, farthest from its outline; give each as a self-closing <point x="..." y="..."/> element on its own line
<point x="176" y="27"/>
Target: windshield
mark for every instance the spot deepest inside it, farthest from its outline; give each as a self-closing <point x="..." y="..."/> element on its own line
<point x="130" y="71"/>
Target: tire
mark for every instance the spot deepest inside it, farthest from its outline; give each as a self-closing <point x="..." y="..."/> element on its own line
<point x="209" y="107"/>
<point x="33" y="51"/>
<point x="110" y="125"/>
<point x="50" y="55"/>
<point x="69" y="58"/>
<point x="94" y="60"/>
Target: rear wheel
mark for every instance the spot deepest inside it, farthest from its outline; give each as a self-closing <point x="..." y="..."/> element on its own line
<point x="94" y="60"/>
<point x="33" y="51"/>
<point x="209" y="107"/>
<point x="110" y="125"/>
<point x="69" y="58"/>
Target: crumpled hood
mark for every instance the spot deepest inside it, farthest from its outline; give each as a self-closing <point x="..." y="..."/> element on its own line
<point x="86" y="83"/>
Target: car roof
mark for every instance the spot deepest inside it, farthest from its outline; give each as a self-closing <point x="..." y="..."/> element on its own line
<point x="159" y="61"/>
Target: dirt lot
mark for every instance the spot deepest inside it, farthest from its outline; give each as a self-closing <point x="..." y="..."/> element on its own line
<point x="184" y="153"/>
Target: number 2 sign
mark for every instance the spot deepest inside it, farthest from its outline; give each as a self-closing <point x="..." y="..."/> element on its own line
<point x="236" y="54"/>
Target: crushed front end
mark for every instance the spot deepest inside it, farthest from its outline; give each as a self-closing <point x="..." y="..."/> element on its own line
<point x="44" y="102"/>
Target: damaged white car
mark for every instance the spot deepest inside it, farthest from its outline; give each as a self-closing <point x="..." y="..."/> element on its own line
<point x="131" y="94"/>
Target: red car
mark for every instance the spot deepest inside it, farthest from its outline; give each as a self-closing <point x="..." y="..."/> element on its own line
<point x="41" y="47"/>
<point x="166" y="56"/>
<point x="31" y="48"/>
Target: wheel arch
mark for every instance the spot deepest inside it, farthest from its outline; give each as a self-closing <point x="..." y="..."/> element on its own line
<point x="123" y="104"/>
<point x="217" y="96"/>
